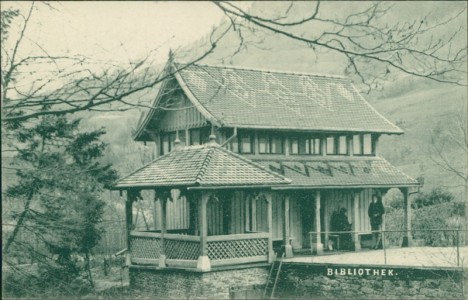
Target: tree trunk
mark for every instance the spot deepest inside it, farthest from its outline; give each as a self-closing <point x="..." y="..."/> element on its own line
<point x="464" y="235"/>
<point x="88" y="270"/>
<point x="20" y="223"/>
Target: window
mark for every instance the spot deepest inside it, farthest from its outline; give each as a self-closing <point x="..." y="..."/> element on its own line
<point x="357" y="145"/>
<point x="245" y="144"/>
<point x="263" y="145"/>
<point x="362" y="144"/>
<point x="294" y="146"/>
<point x="337" y="145"/>
<point x="317" y="146"/>
<point x="270" y="145"/>
<point x="234" y="145"/>
<point x="195" y="137"/>
<point x="331" y="145"/>
<point x="342" y="145"/>
<point x="304" y="145"/>
<point x="165" y="146"/>
<point x="367" y="144"/>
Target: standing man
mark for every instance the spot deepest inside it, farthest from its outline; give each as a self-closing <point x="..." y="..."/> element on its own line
<point x="376" y="211"/>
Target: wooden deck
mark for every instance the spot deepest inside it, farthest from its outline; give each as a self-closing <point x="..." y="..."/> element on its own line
<point x="414" y="257"/>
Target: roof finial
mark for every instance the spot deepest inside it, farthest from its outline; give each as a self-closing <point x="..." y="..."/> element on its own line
<point x="213" y="139"/>
<point x="177" y="144"/>
<point x="171" y="56"/>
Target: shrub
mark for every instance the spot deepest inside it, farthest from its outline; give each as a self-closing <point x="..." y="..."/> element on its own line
<point x="435" y="196"/>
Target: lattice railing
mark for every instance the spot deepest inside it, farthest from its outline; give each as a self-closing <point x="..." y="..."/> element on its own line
<point x="179" y="249"/>
<point x="145" y="247"/>
<point x="237" y="248"/>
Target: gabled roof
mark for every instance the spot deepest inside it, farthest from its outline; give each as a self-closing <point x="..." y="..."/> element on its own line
<point x="207" y="165"/>
<point x="261" y="99"/>
<point x="237" y="97"/>
<point x="323" y="172"/>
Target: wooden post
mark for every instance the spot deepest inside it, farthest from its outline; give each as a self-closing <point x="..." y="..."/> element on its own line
<point x="254" y="214"/>
<point x="271" y="254"/>
<point x="162" y="215"/>
<point x="350" y="145"/>
<point x="326" y="221"/>
<point x="324" y="145"/>
<point x="356" y="218"/>
<point x="131" y="197"/>
<point x="155" y="214"/>
<point x="407" y="239"/>
<point x="375" y="143"/>
<point x="317" y="246"/>
<point x="288" y="253"/>
<point x="203" y="263"/>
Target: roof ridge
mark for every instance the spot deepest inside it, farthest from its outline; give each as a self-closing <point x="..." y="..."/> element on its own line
<point x="267" y="70"/>
<point x="204" y="165"/>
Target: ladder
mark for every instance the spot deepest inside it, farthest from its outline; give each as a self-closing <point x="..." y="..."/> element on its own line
<point x="274" y="270"/>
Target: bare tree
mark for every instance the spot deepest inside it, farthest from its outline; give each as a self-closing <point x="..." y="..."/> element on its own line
<point x="449" y="151"/>
<point x="39" y="83"/>
<point x="373" y="47"/>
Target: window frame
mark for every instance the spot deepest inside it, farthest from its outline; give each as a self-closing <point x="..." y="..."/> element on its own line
<point x="309" y="145"/>
<point x="361" y="145"/>
<point x="269" y="143"/>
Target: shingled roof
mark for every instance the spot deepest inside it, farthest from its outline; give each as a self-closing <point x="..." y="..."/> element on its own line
<point x="207" y="165"/>
<point x="323" y="172"/>
<point x="236" y="97"/>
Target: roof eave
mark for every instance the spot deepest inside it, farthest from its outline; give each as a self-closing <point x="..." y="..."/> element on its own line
<point x="351" y="186"/>
<point x="328" y="130"/>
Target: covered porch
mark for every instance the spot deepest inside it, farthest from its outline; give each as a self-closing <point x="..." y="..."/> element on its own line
<point x="205" y="194"/>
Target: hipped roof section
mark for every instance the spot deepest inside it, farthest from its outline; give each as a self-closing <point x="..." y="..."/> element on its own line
<point x="333" y="172"/>
<point x="262" y="99"/>
<point x="206" y="165"/>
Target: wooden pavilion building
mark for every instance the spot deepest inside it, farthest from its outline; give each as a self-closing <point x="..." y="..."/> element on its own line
<point x="251" y="161"/>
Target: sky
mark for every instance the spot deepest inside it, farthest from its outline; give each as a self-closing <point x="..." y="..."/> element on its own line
<point x="118" y="31"/>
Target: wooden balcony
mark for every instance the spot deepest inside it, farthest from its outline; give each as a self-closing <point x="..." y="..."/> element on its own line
<point x="183" y="251"/>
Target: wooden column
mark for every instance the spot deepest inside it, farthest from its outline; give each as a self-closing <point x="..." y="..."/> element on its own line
<point x="271" y="254"/>
<point x="288" y="253"/>
<point x="349" y="140"/>
<point x="155" y="214"/>
<point x="162" y="216"/>
<point x="131" y="197"/>
<point x="326" y="222"/>
<point x="375" y="143"/>
<point x="407" y="239"/>
<point x="203" y="263"/>
<point x="317" y="246"/>
<point x="356" y="219"/>
<point x="324" y="145"/>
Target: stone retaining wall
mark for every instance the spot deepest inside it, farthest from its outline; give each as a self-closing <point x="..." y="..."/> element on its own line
<point x="360" y="282"/>
<point x="302" y="281"/>
<point x="180" y="284"/>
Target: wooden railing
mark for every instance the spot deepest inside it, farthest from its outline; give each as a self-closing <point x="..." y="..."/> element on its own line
<point x="184" y="250"/>
<point x="237" y="248"/>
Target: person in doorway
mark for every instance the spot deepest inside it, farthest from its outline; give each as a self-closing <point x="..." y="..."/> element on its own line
<point x="339" y="223"/>
<point x="376" y="211"/>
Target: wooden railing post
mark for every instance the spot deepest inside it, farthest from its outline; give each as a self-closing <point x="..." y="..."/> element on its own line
<point x="288" y="253"/>
<point x="407" y="239"/>
<point x="131" y="197"/>
<point x="271" y="254"/>
<point x="356" y="218"/>
<point x="317" y="246"/>
<point x="203" y="263"/>
<point x="162" y="215"/>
